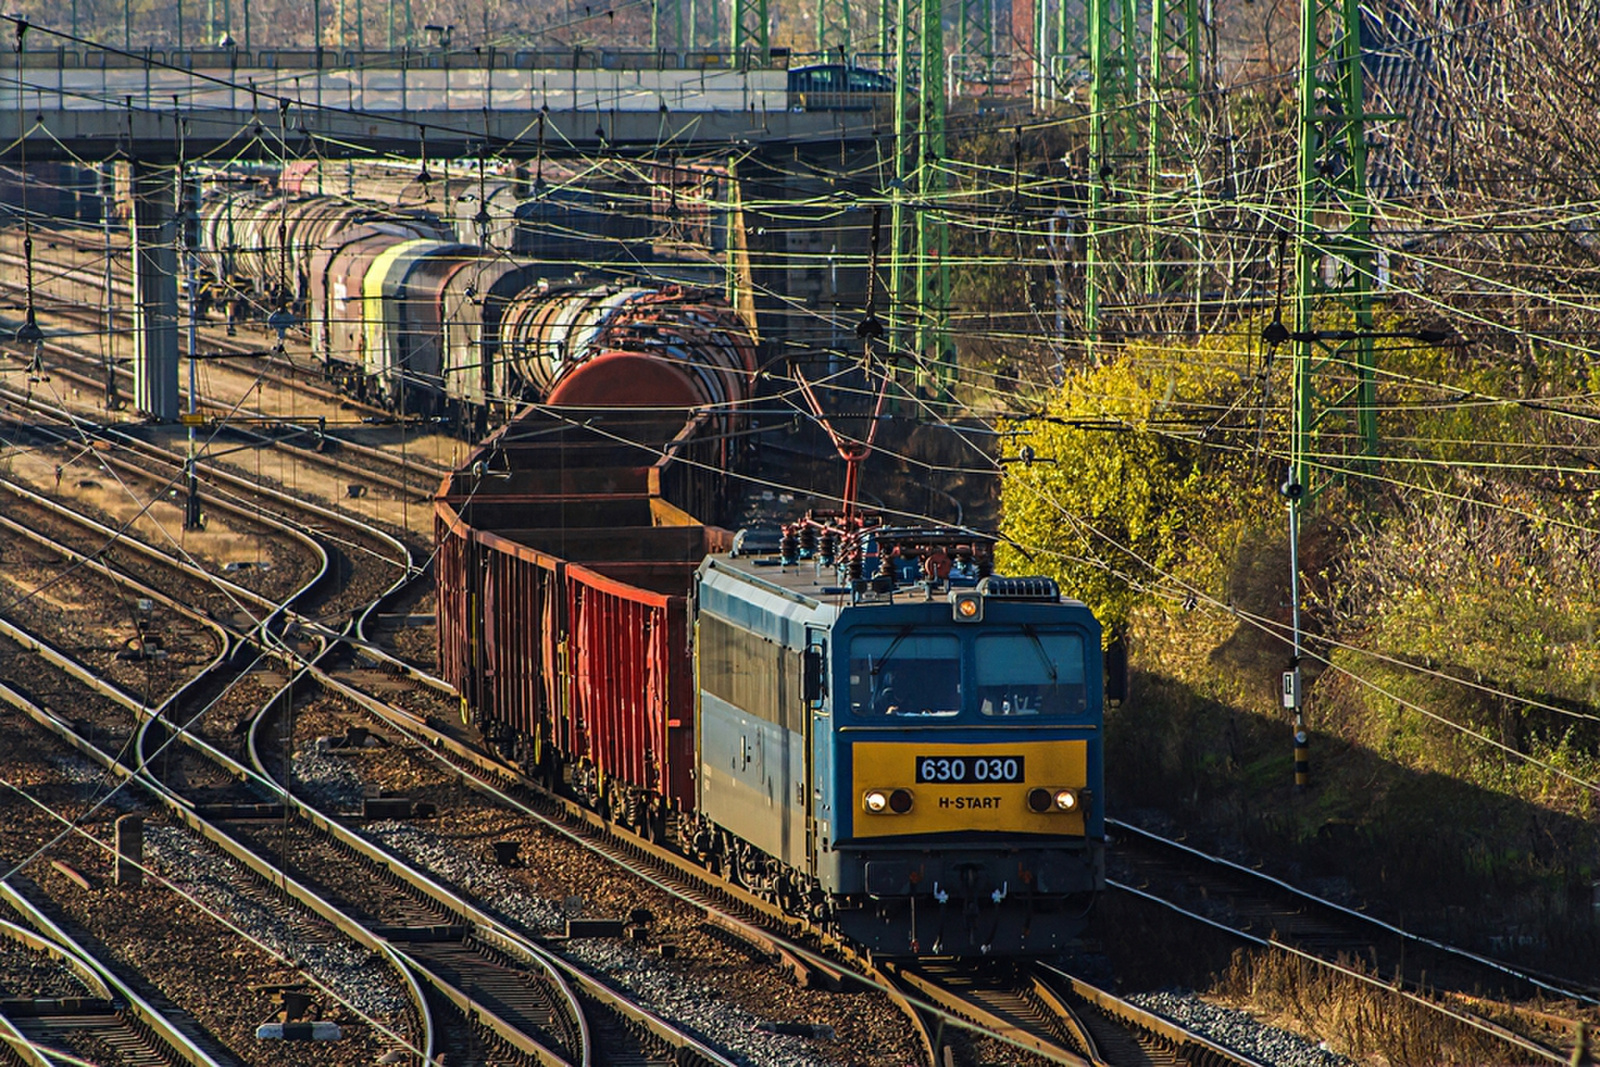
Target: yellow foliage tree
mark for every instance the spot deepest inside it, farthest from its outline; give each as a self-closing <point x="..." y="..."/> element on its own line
<point x="1139" y="469"/>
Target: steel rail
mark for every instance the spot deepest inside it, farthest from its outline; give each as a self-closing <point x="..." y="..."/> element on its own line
<point x="182" y="810"/>
<point x="74" y="958"/>
<point x="483" y="925"/>
<point x="151" y="716"/>
<point x="228" y="638"/>
<point x="1070" y="1019"/>
<point x="17" y="1045"/>
<point x="1351" y="913"/>
<point x="403" y="967"/>
<point x="690" y="1049"/>
<point x="1470" y="1019"/>
<point x="926" y="991"/>
<point x="486" y="926"/>
<point x="307" y="534"/>
<point x="123" y="541"/>
<point x="1196" y="1048"/>
<point x="359" y="638"/>
<point x="98" y="975"/>
<point x="280" y="442"/>
<point x="12" y="1038"/>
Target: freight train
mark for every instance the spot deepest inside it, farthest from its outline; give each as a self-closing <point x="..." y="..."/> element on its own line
<point x="858" y="721"/>
<point x="404" y="315"/>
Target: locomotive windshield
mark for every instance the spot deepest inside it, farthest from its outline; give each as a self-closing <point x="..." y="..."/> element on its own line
<point x="1031" y="673"/>
<point x="1011" y="671"/>
<point x="905" y="674"/>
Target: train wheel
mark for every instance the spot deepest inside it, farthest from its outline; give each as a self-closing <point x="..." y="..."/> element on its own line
<point x="653" y="826"/>
<point x="749" y="870"/>
<point x="602" y="800"/>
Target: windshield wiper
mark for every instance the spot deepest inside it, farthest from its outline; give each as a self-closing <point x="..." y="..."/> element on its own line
<point x="904" y="633"/>
<point x="1044" y="657"/>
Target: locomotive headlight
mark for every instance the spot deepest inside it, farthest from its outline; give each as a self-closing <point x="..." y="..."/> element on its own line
<point x="967" y="606"/>
<point x="886" y="801"/>
<point x="1043" y="801"/>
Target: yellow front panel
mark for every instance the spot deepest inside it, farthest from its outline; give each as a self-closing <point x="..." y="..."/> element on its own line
<point x="946" y="807"/>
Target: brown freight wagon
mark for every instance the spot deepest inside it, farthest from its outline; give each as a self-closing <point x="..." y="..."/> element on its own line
<point x="563" y="572"/>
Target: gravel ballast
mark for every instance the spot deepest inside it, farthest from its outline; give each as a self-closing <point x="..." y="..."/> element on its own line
<point x="356" y="976"/>
<point x="687" y="1004"/>
<point x="1238" y="1031"/>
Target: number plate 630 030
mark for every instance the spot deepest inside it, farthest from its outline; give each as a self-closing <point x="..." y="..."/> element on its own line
<point x="970" y="770"/>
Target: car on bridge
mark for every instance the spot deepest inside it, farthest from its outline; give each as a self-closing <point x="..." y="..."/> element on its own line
<point x="838" y="87"/>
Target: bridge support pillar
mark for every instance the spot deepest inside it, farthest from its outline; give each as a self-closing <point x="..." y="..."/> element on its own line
<point x="155" y="294"/>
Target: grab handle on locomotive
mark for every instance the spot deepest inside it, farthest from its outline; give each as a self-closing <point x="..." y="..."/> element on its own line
<point x="813" y="676"/>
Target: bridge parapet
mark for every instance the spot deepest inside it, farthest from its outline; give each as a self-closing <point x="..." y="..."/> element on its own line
<point x="93" y="103"/>
<point x="93" y="80"/>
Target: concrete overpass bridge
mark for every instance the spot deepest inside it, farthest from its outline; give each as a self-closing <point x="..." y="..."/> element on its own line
<point x="152" y="108"/>
<point x="89" y="103"/>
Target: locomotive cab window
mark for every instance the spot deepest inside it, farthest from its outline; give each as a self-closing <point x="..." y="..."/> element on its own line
<point x="1031" y="672"/>
<point x="905" y="675"/>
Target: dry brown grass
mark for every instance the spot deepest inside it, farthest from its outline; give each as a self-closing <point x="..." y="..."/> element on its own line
<point x="1364" y="1021"/>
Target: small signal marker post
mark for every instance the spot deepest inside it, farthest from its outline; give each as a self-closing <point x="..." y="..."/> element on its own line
<point x="1293" y="492"/>
<point x="1291" y="700"/>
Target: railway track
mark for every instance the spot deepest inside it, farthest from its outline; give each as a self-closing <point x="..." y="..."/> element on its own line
<point x="1308" y="921"/>
<point x="103" y="727"/>
<point x="484" y="968"/>
<point x="308" y="438"/>
<point x="1058" y="1017"/>
<point x="488" y="941"/>
<point x="108" y="1013"/>
<point x="1257" y="909"/>
<point x="226" y="884"/>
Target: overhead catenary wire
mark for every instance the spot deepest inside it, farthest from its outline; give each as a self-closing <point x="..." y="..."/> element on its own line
<point x="953" y="208"/>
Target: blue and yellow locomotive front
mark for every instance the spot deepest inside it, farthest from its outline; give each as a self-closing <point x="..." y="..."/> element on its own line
<point x="944" y="747"/>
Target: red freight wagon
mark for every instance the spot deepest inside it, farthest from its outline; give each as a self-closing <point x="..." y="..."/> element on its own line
<point x="563" y="576"/>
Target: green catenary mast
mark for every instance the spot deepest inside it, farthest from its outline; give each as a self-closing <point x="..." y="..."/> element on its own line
<point x="975" y="40"/>
<point x="833" y="30"/>
<point x="748" y="29"/>
<point x="900" y="182"/>
<point x="935" y="356"/>
<point x="1113" y="139"/>
<point x="1176" y="82"/>
<point x="919" y="290"/>
<point x="1334" y="275"/>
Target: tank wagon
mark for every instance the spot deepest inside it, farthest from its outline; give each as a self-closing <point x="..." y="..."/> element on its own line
<point x="862" y="724"/>
<point x="558" y="223"/>
<point x="403" y="315"/>
<point x="261" y="248"/>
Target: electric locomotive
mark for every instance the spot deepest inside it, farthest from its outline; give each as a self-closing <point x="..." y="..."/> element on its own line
<point x="898" y="742"/>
